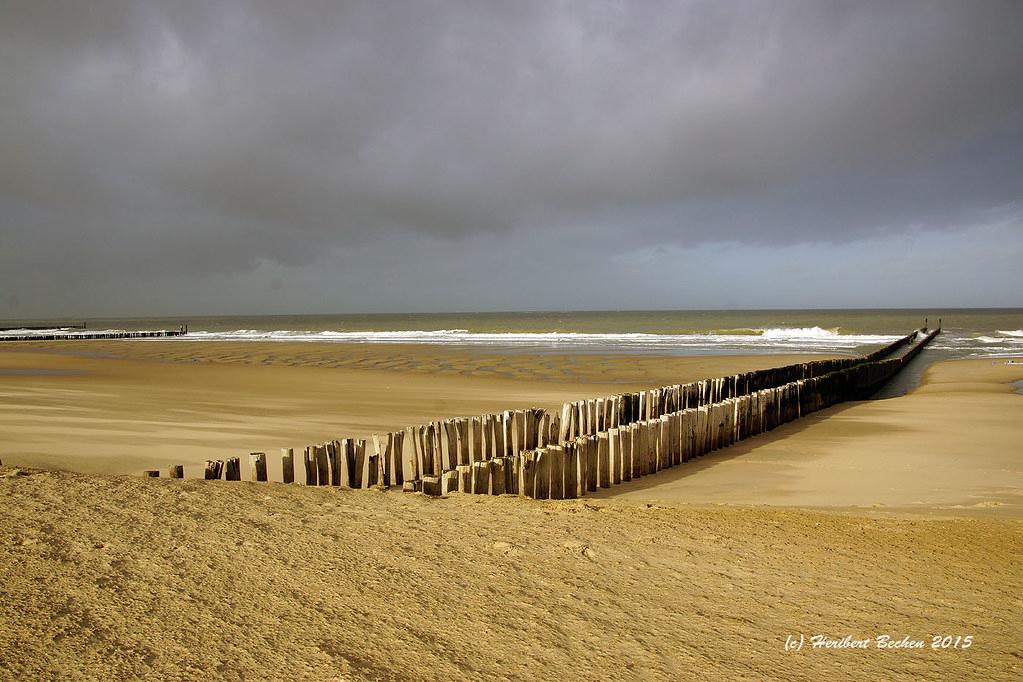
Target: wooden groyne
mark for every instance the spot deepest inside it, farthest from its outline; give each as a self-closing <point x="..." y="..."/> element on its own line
<point x="90" y="336"/>
<point x="591" y="444"/>
<point x="37" y="328"/>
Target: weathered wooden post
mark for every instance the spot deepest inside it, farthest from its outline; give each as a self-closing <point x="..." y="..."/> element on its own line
<point x="410" y="461"/>
<point x="497" y="476"/>
<point x="463" y="441"/>
<point x="309" y="459"/>
<point x="431" y="486"/>
<point x="571" y="470"/>
<point x="614" y="444"/>
<point x="451" y="445"/>
<point x="464" y="478"/>
<point x="333" y="448"/>
<point x="511" y="474"/>
<point x="288" y="465"/>
<point x="542" y="480"/>
<point x="213" y="469"/>
<point x="380" y="452"/>
<point x="643" y="432"/>
<point x="177" y="471"/>
<point x="322" y="465"/>
<point x="557" y="469"/>
<point x="233" y="470"/>
<point x="603" y="460"/>
<point x="449" y="482"/>
<point x="151" y="473"/>
<point x="591" y="462"/>
<point x="527" y="473"/>
<point x="481" y="477"/>
<point x="476" y="440"/>
<point x="625" y="436"/>
<point x="257" y="467"/>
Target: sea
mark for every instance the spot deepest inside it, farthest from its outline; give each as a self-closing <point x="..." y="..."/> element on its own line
<point x="978" y="332"/>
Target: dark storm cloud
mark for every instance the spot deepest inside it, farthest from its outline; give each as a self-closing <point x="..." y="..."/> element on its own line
<point x="196" y="138"/>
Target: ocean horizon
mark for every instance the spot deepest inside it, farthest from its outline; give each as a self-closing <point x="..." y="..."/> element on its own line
<point x="967" y="332"/>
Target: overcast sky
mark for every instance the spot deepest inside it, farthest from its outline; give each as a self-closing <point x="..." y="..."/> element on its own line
<point x="287" y="157"/>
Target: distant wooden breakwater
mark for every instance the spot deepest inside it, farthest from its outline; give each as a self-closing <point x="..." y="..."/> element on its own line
<point x="591" y="444"/>
<point x="90" y="336"/>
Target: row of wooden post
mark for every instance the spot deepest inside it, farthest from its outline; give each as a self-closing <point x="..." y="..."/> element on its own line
<point x="417" y="451"/>
<point x="603" y="440"/>
<point x="587" y="417"/>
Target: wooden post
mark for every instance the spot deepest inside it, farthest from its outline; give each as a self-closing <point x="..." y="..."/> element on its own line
<point x="464" y="478"/>
<point x="566" y="420"/>
<point x="557" y="468"/>
<point x="497" y="476"/>
<point x="518" y="431"/>
<point x="449" y="482"/>
<point x="603" y="461"/>
<point x="213" y="469"/>
<point x="476" y="440"/>
<point x="664" y="443"/>
<point x="345" y="459"/>
<point x="625" y="443"/>
<point x="257" y="467"/>
<point x="322" y="464"/>
<point x="431" y="486"/>
<point x="451" y="445"/>
<point x="380" y="453"/>
<point x="507" y="433"/>
<point x="542" y="481"/>
<point x="334" y="454"/>
<point x="614" y="443"/>
<point x="591" y="463"/>
<point x="288" y="465"/>
<point x="177" y="471"/>
<point x="371" y="474"/>
<point x="481" y="477"/>
<point x="412" y="486"/>
<point x="423" y="458"/>
<point x="233" y="470"/>
<point x="152" y="473"/>
<point x="571" y="471"/>
<point x="431" y="460"/>
<point x="463" y="441"/>
<point x="582" y="473"/>
<point x="511" y="475"/>
<point x="396" y="457"/>
<point x="408" y="453"/>
<point x="360" y="474"/>
<point x="438" y="454"/>
<point x="527" y="473"/>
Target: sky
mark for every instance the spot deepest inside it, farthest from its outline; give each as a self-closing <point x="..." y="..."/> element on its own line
<point x="167" y="158"/>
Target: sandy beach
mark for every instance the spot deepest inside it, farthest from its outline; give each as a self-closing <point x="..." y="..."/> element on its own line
<point x="122" y="407"/>
<point x="898" y="518"/>
<point x="952" y="447"/>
